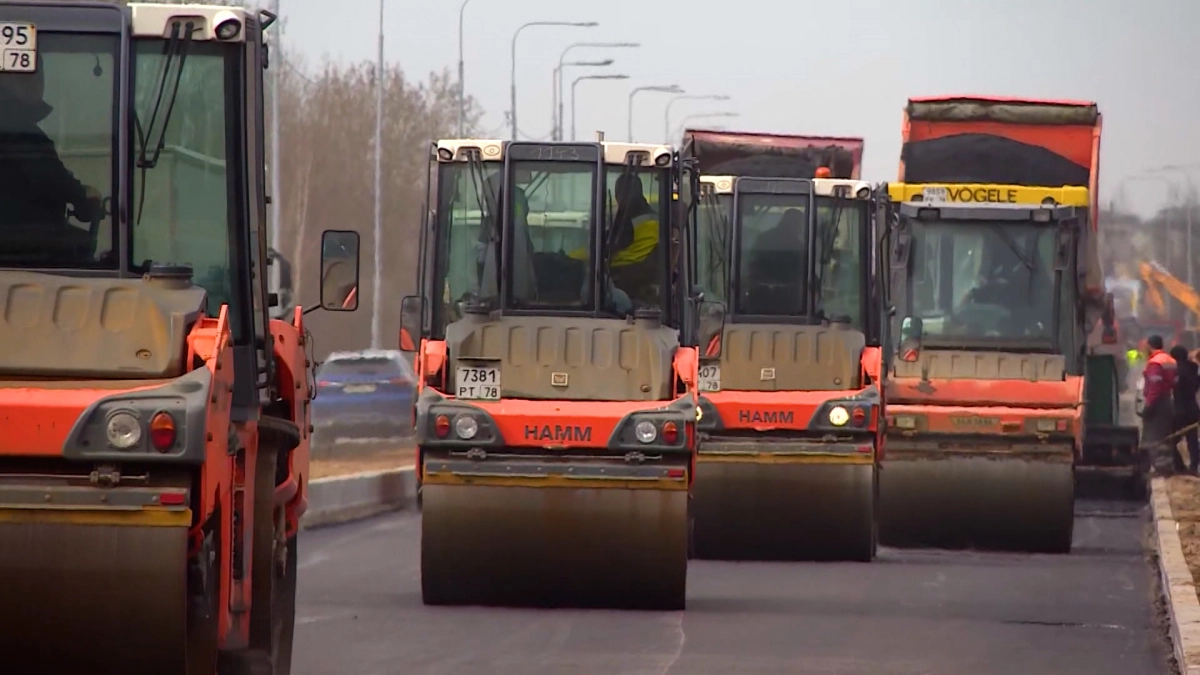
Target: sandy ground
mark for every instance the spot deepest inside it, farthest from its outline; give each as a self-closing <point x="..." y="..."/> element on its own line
<point x="351" y="459"/>
<point x="1184" y="492"/>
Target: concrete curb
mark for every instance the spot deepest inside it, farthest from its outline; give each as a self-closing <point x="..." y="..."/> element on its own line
<point x="1179" y="589"/>
<point x="340" y="499"/>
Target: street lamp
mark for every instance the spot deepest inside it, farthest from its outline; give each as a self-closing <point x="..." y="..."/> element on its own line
<point x="575" y="83"/>
<point x="687" y="97"/>
<point x="516" y="34"/>
<point x="708" y="115"/>
<point x="663" y="88"/>
<point x="558" y="76"/>
<point x="462" y="95"/>
<point x="556" y="100"/>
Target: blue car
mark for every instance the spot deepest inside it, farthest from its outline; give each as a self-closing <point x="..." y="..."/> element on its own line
<point x="364" y="395"/>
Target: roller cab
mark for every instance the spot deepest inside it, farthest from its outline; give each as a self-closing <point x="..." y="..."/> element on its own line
<point x="984" y="422"/>
<point x="791" y="394"/>
<point x="153" y="424"/>
<point x="556" y="407"/>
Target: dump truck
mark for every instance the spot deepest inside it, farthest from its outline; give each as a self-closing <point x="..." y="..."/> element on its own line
<point x="791" y="404"/>
<point x="557" y="371"/>
<point x="153" y="417"/>
<point x="999" y="386"/>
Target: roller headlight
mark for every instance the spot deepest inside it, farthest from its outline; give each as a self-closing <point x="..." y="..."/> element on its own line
<point x="123" y="430"/>
<point x="645" y="431"/>
<point x="838" y="416"/>
<point x="466" y="427"/>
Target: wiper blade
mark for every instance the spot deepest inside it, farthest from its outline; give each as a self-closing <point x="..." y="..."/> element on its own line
<point x="1012" y="245"/>
<point x="176" y="46"/>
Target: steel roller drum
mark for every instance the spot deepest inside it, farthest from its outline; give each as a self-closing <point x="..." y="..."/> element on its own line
<point x="770" y="511"/>
<point x="599" y="547"/>
<point x="982" y="503"/>
<point x="91" y="598"/>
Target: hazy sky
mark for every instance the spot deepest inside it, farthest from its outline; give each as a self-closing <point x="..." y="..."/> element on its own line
<point x="833" y="67"/>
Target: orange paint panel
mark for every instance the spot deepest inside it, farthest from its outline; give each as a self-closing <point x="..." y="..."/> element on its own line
<point x="774" y="410"/>
<point x="561" y="424"/>
<point x="985" y="392"/>
<point x="687" y="366"/>
<point x="1071" y="142"/>
<point x="36" y="422"/>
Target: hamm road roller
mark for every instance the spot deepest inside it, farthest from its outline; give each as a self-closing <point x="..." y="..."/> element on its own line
<point x="153" y="417"/>
<point x="556" y="408"/>
<point x="995" y="282"/>
<point x="790" y="402"/>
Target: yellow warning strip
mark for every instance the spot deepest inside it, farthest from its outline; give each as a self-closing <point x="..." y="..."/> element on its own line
<point x="769" y="458"/>
<point x="145" y="517"/>
<point x="677" y="484"/>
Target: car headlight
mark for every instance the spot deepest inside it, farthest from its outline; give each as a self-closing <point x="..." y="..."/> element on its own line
<point x="838" y="415"/>
<point x="645" y="431"/>
<point x="466" y="427"/>
<point x="123" y="430"/>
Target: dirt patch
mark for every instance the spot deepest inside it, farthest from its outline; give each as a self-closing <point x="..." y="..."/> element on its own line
<point x="1184" y="492"/>
<point x="357" y="461"/>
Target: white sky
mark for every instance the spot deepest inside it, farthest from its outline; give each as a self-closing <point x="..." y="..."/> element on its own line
<point x="834" y="67"/>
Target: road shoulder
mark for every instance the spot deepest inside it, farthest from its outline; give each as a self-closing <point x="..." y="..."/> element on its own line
<point x="1179" y="588"/>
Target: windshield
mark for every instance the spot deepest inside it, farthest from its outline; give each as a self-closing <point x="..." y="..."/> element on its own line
<point x="180" y="209"/>
<point x="463" y="200"/>
<point x="550" y="212"/>
<point x="979" y="280"/>
<point x="772" y="255"/>
<point x="842" y="253"/>
<point x="712" y="242"/>
<point x="636" y="211"/>
<point x="57" y="150"/>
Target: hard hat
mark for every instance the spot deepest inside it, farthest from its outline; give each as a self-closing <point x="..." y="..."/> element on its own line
<point x="822" y="172"/>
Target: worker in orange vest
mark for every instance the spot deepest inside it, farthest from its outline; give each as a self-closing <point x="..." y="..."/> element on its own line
<point x="1158" y="412"/>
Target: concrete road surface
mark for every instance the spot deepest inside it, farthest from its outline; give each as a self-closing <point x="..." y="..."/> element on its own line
<point x="926" y="613"/>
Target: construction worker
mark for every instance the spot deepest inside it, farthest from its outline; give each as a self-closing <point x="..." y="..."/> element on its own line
<point x="1158" y="415"/>
<point x="635" y="273"/>
<point x="35" y="186"/>
<point x="776" y="268"/>
<point x="1187" y="410"/>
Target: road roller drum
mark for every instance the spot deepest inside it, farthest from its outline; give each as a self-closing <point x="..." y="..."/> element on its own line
<point x="762" y="508"/>
<point x="983" y="502"/>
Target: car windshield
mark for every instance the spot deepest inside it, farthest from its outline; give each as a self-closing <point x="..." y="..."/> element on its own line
<point x="772" y="256"/>
<point x="180" y="209"/>
<point x="712" y="244"/>
<point x="57" y="149"/>
<point x="382" y="367"/>
<point x="842" y="257"/>
<point x="978" y="280"/>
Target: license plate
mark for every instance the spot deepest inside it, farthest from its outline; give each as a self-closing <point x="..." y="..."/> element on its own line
<point x="710" y="378"/>
<point x="358" y="388"/>
<point x="480" y="383"/>
<point x="936" y="194"/>
<point x="18" y="48"/>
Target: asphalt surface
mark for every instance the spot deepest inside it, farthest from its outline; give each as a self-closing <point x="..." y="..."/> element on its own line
<point x="930" y="613"/>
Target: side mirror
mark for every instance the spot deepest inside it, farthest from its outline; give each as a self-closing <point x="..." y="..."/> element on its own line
<point x="711" y="328"/>
<point x="911" y="330"/>
<point x="339" y="270"/>
<point x="412" y="317"/>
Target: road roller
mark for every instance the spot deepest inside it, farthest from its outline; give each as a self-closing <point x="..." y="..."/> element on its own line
<point x="790" y="401"/>
<point x="555" y="349"/>
<point x="996" y="288"/>
<point x="153" y="417"/>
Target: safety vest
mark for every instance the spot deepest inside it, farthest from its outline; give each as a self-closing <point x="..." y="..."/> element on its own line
<point x="645" y="239"/>
<point x="1133" y="356"/>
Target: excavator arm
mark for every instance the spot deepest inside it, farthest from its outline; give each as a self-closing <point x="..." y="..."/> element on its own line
<point x="1157" y="279"/>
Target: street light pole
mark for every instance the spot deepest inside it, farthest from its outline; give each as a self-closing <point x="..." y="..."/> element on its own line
<point x="516" y="34"/>
<point x="558" y="74"/>
<point x="556" y="133"/>
<point x="664" y="88"/>
<point x="575" y="83"/>
<point x="462" y="92"/>
<point x="376" y="294"/>
<point x="687" y="97"/>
